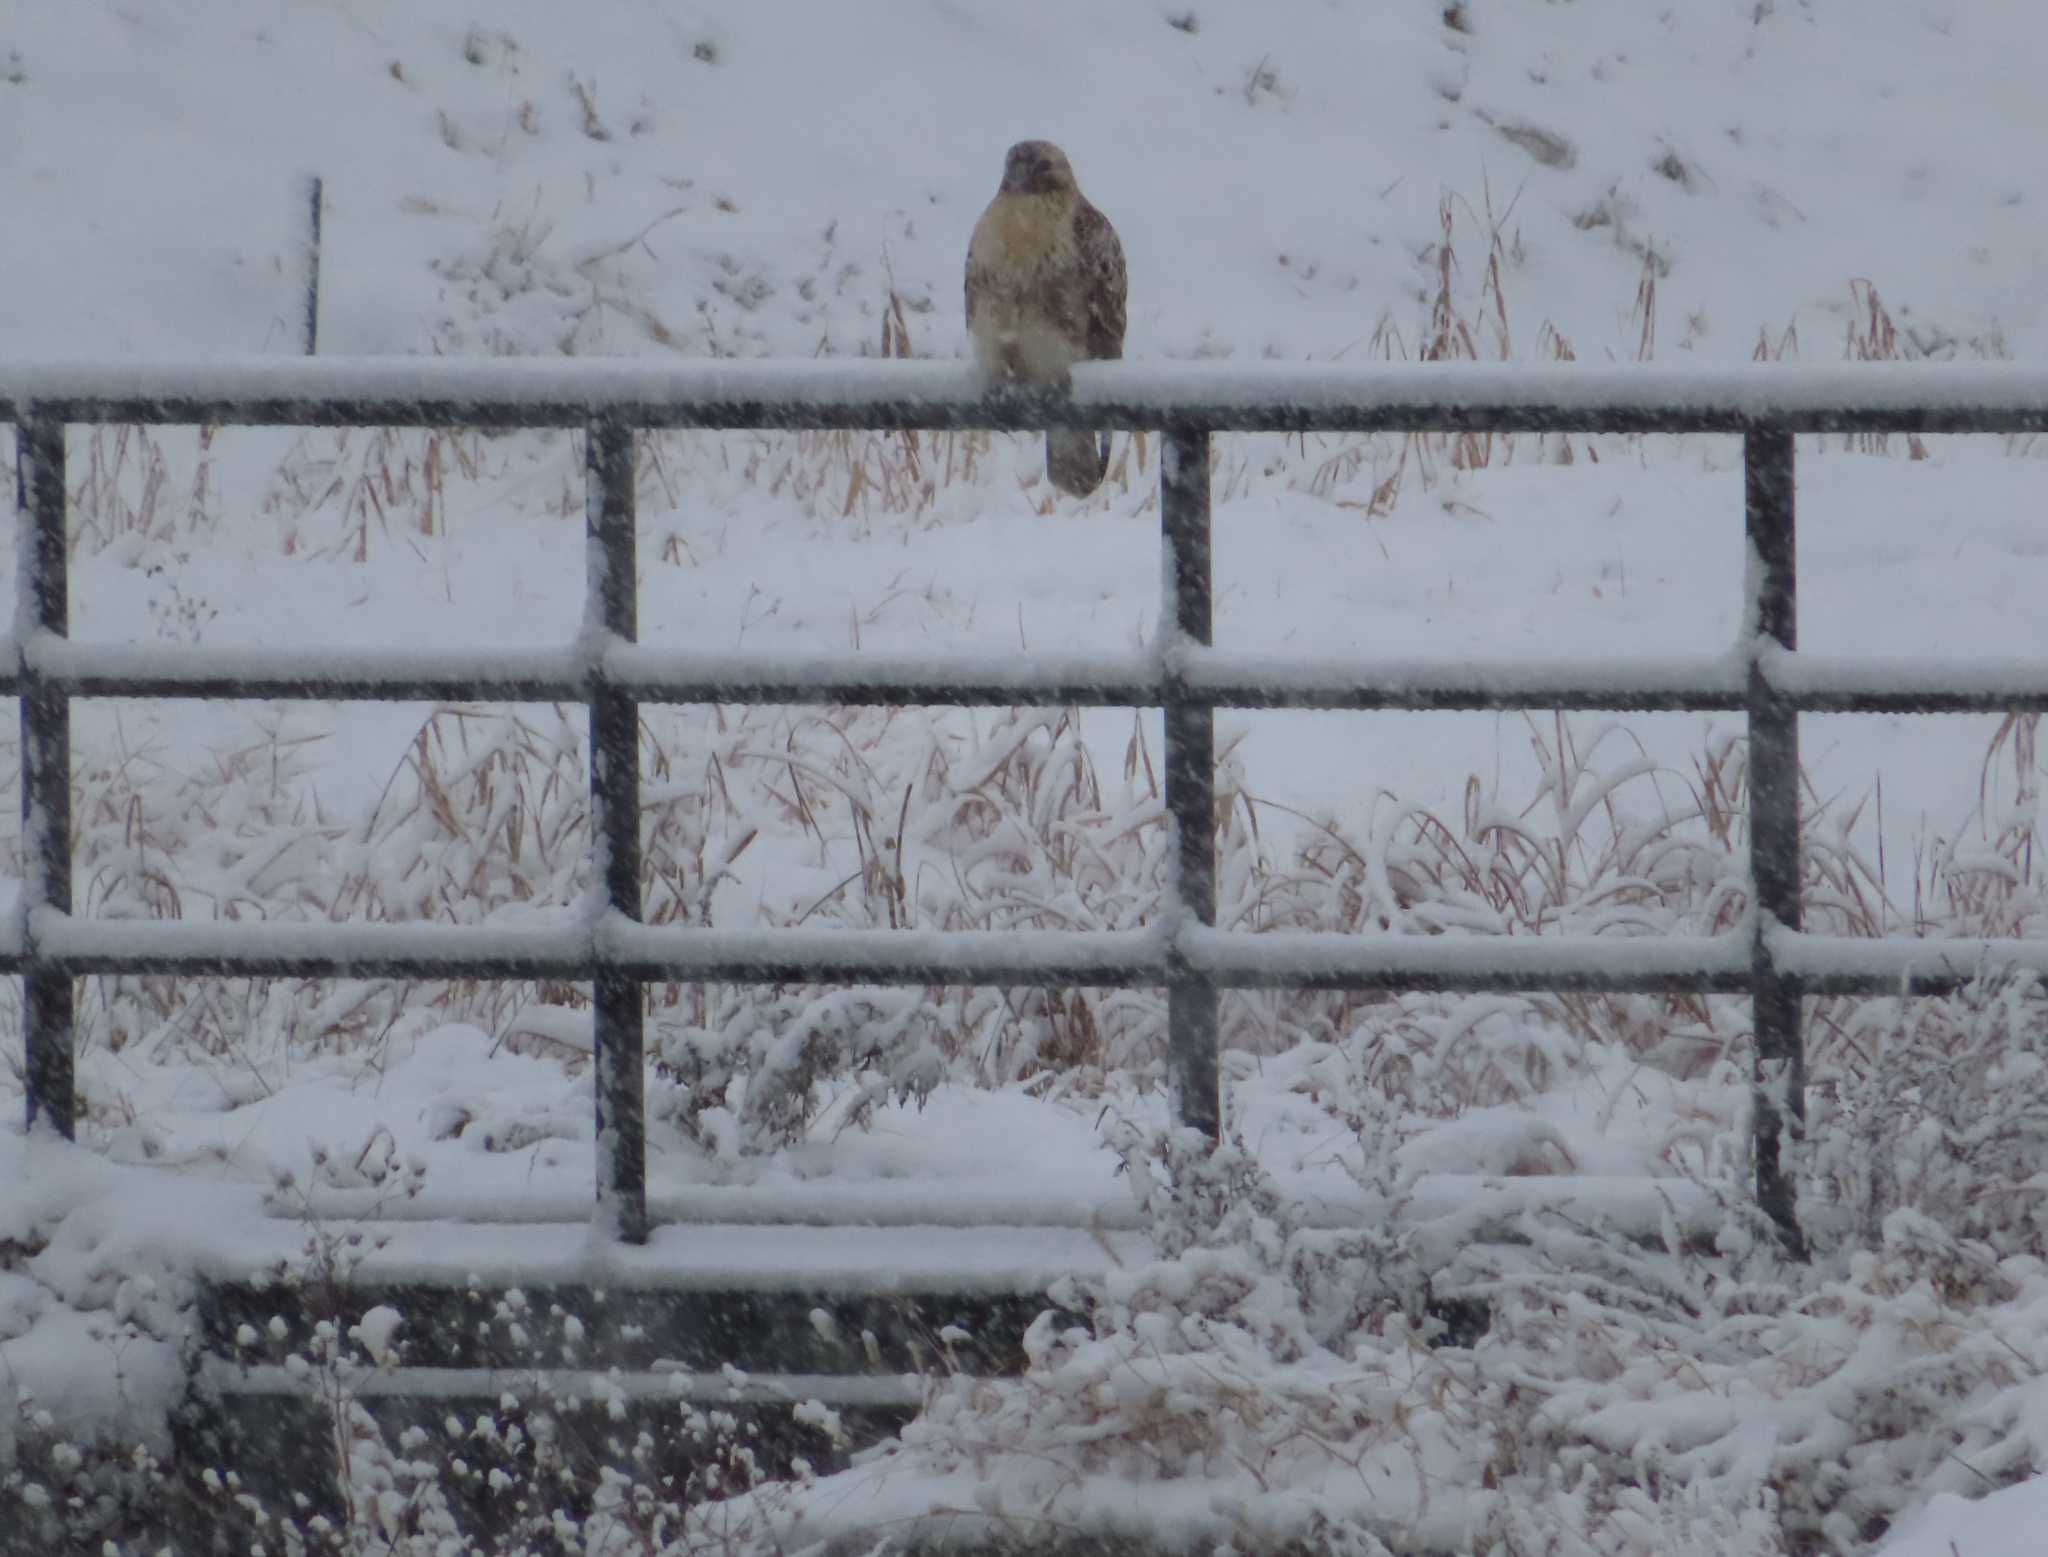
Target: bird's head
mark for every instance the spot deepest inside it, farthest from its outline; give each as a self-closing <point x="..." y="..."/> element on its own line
<point x="1037" y="168"/>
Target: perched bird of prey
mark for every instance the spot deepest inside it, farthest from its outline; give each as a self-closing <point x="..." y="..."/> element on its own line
<point x="1045" y="289"/>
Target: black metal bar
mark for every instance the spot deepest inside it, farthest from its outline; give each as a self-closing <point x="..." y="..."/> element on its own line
<point x="612" y="612"/>
<point x="1774" y="848"/>
<point x="1424" y="398"/>
<point x="173" y="681"/>
<point x="1450" y="689"/>
<point x="43" y="605"/>
<point x="883" y="680"/>
<point x="451" y="951"/>
<point x="314" y="202"/>
<point x="649" y="414"/>
<point x="1231" y="960"/>
<point x="121" y="670"/>
<point x="1984" y="701"/>
<point x="1193" y="1024"/>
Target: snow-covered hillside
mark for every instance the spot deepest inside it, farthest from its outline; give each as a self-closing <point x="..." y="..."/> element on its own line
<point x="1276" y="171"/>
<point x="1300" y="180"/>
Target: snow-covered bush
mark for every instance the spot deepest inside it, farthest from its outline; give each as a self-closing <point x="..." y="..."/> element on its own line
<point x="1261" y="1380"/>
<point x="61" y="1494"/>
<point x="1948" y="1121"/>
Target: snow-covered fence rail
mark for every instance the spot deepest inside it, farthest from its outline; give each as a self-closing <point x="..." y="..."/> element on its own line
<point x="1762" y="675"/>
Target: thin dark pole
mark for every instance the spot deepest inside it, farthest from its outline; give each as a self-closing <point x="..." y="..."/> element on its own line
<point x="314" y="191"/>
<point x="1192" y="1018"/>
<point x="43" y="605"/>
<point x="1774" y="852"/>
<point x="612" y="611"/>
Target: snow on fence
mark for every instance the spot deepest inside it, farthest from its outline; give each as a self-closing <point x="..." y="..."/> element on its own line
<point x="1762" y="675"/>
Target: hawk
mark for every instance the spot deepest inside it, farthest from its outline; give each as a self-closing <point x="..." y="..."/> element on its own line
<point x="1045" y="289"/>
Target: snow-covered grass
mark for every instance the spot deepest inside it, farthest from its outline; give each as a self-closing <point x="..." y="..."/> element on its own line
<point x="1599" y="183"/>
<point x="1263" y="1380"/>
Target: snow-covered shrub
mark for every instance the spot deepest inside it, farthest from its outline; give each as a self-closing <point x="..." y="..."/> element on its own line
<point x="1817" y="1402"/>
<point x="546" y="1467"/>
<point x="1947" y="1121"/>
<point x="1245" y="1376"/>
<point x="61" y="1493"/>
<point x="1262" y="1379"/>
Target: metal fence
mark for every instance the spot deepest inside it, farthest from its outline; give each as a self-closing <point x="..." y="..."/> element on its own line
<point x="1761" y="676"/>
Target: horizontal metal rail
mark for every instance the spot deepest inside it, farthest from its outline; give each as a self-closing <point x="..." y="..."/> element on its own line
<point x="1202" y="397"/>
<point x="1217" y="678"/>
<point x="1108" y="959"/>
<point x="1763" y="676"/>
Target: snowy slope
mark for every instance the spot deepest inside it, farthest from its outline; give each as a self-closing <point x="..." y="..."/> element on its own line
<point x="1276" y="173"/>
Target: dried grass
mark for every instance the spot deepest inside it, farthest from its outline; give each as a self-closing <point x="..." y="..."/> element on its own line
<point x="365" y="477"/>
<point x="894" y="819"/>
<point x="1463" y="325"/>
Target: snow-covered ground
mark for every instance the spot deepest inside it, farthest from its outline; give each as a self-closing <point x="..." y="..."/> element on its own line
<point x="1296" y="181"/>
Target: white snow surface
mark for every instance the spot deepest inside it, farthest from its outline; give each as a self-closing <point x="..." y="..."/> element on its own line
<point x="2007" y="1523"/>
<point x="703" y="199"/>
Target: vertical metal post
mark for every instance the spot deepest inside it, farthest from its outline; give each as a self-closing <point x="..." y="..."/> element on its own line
<point x="314" y="192"/>
<point x="43" y="605"/>
<point x="1192" y="1017"/>
<point x="612" y="612"/>
<point x="1772" y="612"/>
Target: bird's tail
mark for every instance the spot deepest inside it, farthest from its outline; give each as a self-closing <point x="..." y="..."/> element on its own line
<point x="1076" y="459"/>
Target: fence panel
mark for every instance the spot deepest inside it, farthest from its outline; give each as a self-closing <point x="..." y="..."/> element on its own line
<point x="1764" y="676"/>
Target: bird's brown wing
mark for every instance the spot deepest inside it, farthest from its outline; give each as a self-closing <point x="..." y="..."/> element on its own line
<point x="978" y="277"/>
<point x="1104" y="282"/>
